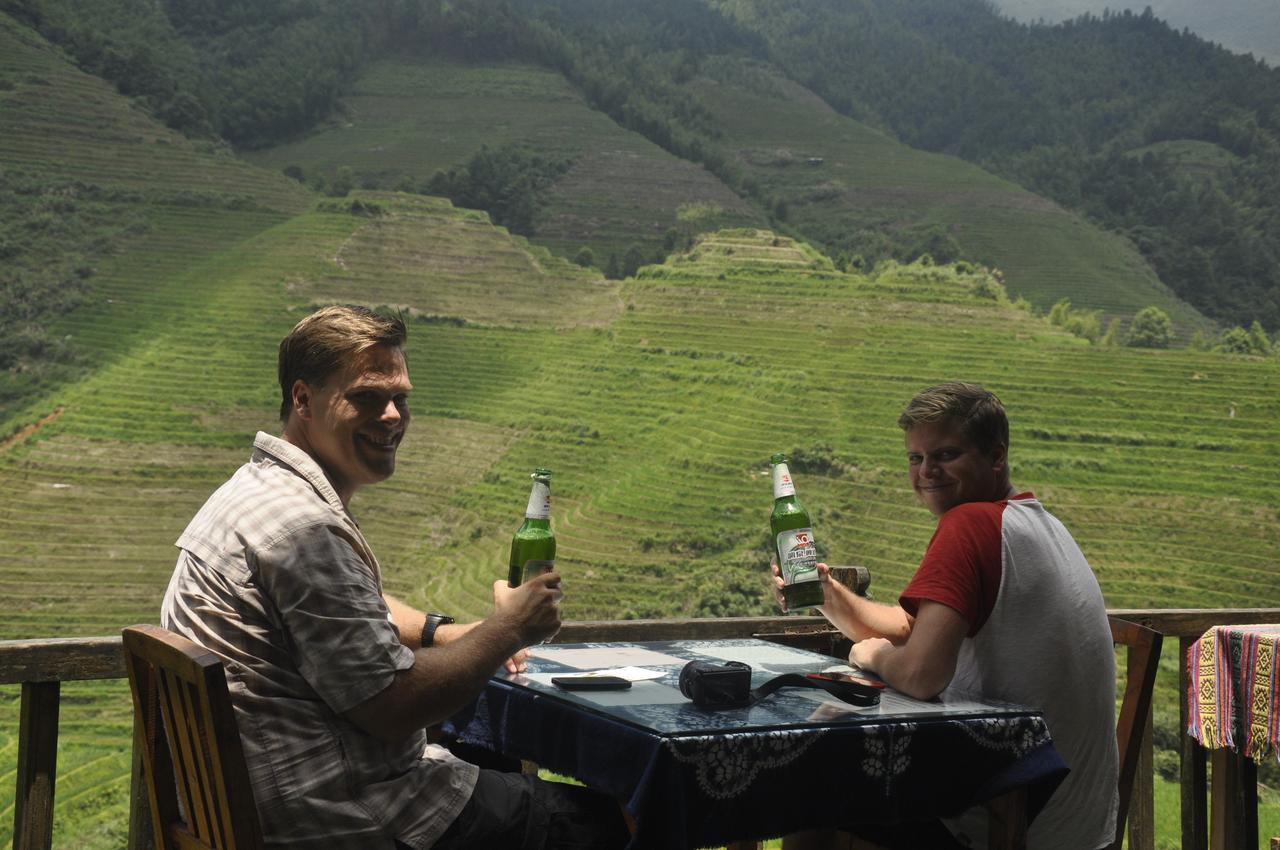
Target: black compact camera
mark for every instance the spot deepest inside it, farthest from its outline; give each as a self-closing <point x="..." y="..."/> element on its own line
<point x="712" y="685"/>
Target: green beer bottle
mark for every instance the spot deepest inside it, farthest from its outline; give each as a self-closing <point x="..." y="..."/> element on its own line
<point x="533" y="548"/>
<point x="793" y="541"/>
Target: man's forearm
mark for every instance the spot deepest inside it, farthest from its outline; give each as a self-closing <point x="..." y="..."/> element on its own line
<point x="443" y="679"/>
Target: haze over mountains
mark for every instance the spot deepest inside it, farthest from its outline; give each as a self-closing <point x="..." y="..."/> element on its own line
<point x="1245" y="26"/>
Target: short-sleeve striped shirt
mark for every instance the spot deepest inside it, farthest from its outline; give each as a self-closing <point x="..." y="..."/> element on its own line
<point x="274" y="576"/>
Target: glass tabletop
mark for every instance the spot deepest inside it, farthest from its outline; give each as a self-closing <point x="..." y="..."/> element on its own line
<point x="654" y="701"/>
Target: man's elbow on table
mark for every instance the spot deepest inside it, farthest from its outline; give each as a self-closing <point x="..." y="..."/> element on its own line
<point x="924" y="665"/>
<point x="924" y="683"/>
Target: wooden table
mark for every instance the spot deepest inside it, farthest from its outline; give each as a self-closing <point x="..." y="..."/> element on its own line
<point x="799" y="759"/>
<point x="1234" y="706"/>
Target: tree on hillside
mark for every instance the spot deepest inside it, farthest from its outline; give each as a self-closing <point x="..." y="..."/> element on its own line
<point x="1237" y="340"/>
<point x="507" y="182"/>
<point x="1151" y="328"/>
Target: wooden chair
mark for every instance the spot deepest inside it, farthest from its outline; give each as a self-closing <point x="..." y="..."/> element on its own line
<point x="1144" y="657"/>
<point x="193" y="765"/>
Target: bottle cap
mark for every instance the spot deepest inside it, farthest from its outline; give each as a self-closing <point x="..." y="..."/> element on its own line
<point x="778" y="458"/>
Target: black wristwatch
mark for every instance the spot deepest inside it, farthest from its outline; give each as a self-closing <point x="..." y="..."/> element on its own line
<point x="434" y="621"/>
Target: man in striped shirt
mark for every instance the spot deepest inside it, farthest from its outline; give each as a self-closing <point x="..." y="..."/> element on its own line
<point x="333" y="681"/>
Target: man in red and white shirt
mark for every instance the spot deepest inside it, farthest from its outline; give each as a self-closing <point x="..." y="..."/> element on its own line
<point x="1004" y="605"/>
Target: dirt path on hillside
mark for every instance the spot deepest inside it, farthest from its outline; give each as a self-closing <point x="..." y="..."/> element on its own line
<point x="27" y="430"/>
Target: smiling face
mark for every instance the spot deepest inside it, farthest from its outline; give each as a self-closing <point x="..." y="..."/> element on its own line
<point x="352" y="425"/>
<point x="948" y="469"/>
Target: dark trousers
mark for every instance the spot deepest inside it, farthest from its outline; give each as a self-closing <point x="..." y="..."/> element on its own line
<point x="512" y="811"/>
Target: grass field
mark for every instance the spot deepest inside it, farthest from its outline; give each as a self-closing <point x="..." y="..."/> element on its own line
<point x="407" y="119"/>
<point x="657" y="401"/>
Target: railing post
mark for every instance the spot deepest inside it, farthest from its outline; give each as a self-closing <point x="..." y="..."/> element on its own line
<point x="1191" y="773"/>
<point x="1142" y="805"/>
<point x="1235" y="801"/>
<point x="37" y="766"/>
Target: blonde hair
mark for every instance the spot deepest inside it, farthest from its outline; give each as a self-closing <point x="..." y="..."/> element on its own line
<point x="325" y="341"/>
<point x="977" y="411"/>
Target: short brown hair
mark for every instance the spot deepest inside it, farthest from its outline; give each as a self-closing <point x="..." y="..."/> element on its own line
<point x="977" y="411"/>
<point x="327" y="340"/>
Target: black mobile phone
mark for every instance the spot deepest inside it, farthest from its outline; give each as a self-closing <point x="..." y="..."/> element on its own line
<point x="836" y="676"/>
<point x="591" y="683"/>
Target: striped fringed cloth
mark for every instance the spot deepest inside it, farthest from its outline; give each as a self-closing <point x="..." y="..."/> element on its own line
<point x="1233" y="700"/>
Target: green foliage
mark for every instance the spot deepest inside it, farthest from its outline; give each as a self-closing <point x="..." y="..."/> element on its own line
<point x="343" y="182"/>
<point x="1085" y="324"/>
<point x="698" y="211"/>
<point x="632" y="261"/>
<point x="1262" y="343"/>
<point x="1111" y="338"/>
<point x="1237" y="340"/>
<point x="51" y="234"/>
<point x="1150" y="328"/>
<point x="508" y="182"/>
<point x="820" y="459"/>
<point x="584" y="257"/>
<point x="970" y="92"/>
<point x="251" y="73"/>
<point x="1211" y="240"/>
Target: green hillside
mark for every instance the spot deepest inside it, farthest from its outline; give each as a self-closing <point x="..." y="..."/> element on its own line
<point x="658" y="425"/>
<point x="405" y="120"/>
<point x="656" y="400"/>
<point x="847" y="186"/>
<point x="84" y="174"/>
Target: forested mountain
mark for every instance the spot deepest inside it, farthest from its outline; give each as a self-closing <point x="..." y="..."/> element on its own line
<point x="1151" y="132"/>
<point x="1243" y="26"/>
<point x="1077" y="112"/>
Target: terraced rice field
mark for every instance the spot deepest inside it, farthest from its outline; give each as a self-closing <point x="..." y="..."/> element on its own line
<point x="437" y="261"/>
<point x="406" y="119"/>
<point x="658" y="424"/>
<point x="656" y="401"/>
<point x="56" y="119"/>
<point x="867" y="181"/>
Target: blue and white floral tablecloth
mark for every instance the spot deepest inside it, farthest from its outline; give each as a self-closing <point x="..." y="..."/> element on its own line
<point x="797" y="760"/>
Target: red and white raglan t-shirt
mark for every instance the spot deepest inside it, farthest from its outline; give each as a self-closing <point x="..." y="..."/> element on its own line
<point x="1038" y="636"/>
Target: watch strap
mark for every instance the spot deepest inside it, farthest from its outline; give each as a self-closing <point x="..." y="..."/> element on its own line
<point x="433" y="622"/>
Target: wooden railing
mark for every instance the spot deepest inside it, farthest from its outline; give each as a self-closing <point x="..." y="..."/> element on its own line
<point x="41" y="666"/>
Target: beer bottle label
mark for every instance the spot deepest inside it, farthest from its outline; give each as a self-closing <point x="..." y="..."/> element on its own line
<point x="798" y="554"/>
<point x="536" y="568"/>
<point x="782" y="485"/>
<point x="539" y="501"/>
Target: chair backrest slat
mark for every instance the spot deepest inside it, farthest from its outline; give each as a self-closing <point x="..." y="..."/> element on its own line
<point x="193" y="763"/>
<point x="186" y="777"/>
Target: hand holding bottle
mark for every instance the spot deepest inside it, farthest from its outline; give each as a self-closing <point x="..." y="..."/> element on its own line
<point x="824" y="577"/>
<point x="533" y="608"/>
